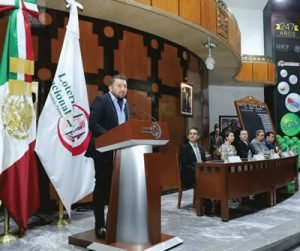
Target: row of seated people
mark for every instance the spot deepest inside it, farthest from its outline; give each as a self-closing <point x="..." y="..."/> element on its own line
<point x="191" y="152"/>
<point x="238" y="142"/>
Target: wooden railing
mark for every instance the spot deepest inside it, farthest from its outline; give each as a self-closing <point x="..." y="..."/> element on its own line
<point x="257" y="69"/>
<point x="220" y="181"/>
<point x="215" y="18"/>
<point x="210" y="14"/>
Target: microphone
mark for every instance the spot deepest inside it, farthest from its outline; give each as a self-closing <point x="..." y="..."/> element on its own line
<point x="144" y="112"/>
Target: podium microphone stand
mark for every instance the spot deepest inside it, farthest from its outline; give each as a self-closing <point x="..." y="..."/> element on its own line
<point x="134" y="215"/>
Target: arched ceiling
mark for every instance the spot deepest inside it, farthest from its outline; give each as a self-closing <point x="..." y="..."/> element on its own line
<point x="166" y="25"/>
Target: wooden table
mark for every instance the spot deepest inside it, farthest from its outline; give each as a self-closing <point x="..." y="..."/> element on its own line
<point x="224" y="181"/>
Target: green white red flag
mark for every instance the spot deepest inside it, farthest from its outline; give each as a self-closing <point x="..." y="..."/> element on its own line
<point x="19" y="188"/>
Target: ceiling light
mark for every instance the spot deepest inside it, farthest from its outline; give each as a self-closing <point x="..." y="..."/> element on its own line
<point x="210" y="61"/>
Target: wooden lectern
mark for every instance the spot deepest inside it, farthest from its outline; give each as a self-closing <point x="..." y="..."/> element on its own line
<point x="134" y="221"/>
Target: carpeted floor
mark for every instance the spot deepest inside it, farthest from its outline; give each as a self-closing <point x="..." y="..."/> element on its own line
<point x="248" y="229"/>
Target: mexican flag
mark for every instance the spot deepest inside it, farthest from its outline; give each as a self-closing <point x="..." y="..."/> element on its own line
<point x="63" y="133"/>
<point x="19" y="190"/>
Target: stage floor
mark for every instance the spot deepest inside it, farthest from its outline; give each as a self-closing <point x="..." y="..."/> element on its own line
<point x="275" y="228"/>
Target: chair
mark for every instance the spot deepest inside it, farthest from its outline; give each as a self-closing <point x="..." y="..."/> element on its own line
<point x="170" y="171"/>
<point x="180" y="190"/>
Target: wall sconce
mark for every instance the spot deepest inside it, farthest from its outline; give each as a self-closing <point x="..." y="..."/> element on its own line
<point x="210" y="61"/>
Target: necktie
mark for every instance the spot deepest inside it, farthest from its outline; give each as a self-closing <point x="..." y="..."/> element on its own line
<point x="197" y="153"/>
<point x="120" y="103"/>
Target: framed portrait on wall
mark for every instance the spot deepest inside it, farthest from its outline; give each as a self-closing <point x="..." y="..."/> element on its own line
<point x="186" y="99"/>
<point x="229" y="122"/>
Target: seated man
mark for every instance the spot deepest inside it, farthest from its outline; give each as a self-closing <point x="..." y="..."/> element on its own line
<point x="258" y="145"/>
<point x="242" y="145"/>
<point x="190" y="153"/>
<point x="270" y="141"/>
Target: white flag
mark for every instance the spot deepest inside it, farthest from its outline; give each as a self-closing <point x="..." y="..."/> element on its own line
<point x="63" y="133"/>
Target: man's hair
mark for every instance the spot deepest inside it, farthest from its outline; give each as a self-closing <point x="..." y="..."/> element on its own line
<point x="269" y="134"/>
<point x="118" y="76"/>
<point x="193" y="128"/>
<point x="243" y="130"/>
<point x="216" y="126"/>
<point x="259" y="131"/>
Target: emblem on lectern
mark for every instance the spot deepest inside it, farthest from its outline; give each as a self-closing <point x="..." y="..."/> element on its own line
<point x="155" y="130"/>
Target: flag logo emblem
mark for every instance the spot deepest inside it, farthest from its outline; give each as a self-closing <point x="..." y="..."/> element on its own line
<point x="73" y="130"/>
<point x="17" y="115"/>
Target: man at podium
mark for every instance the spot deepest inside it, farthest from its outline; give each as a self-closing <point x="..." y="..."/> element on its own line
<point x="107" y="112"/>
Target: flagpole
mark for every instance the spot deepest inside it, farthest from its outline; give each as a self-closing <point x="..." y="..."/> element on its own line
<point x="7" y="237"/>
<point x="61" y="222"/>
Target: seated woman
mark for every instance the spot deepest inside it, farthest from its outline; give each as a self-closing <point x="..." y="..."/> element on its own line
<point x="227" y="149"/>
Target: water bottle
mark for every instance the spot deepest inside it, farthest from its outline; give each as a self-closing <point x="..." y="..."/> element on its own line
<point x="225" y="157"/>
<point x="249" y="155"/>
<point x="271" y="154"/>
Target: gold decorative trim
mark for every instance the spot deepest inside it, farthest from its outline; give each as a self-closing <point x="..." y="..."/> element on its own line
<point x="249" y="100"/>
<point x="222" y="22"/>
<point x="222" y="4"/>
<point x="257" y="58"/>
<point x="20" y="65"/>
<point x="19" y="88"/>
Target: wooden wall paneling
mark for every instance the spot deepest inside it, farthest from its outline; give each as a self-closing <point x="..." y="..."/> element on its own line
<point x="92" y="92"/>
<point x="167" y="5"/>
<point x="190" y="10"/>
<point x="209" y="15"/>
<point x="92" y="54"/>
<point x="44" y="70"/>
<point x="86" y="199"/>
<point x="169" y="111"/>
<point x="35" y="45"/>
<point x="154" y="66"/>
<point x="169" y="173"/>
<point x="204" y="75"/>
<point x="144" y="1"/>
<point x="231" y="32"/>
<point x="131" y="57"/>
<point x="245" y="73"/>
<point x="56" y="43"/>
<point x="238" y="39"/>
<point x="204" y="105"/>
<point x="194" y="63"/>
<point x="222" y="23"/>
<point x="142" y="104"/>
<point x="272" y="73"/>
<point x="260" y="72"/>
<point x="169" y="69"/>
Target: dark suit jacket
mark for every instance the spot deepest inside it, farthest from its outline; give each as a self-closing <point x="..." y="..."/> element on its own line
<point x="242" y="149"/>
<point x="187" y="159"/>
<point x="212" y="142"/>
<point x="270" y="145"/>
<point x="103" y="117"/>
